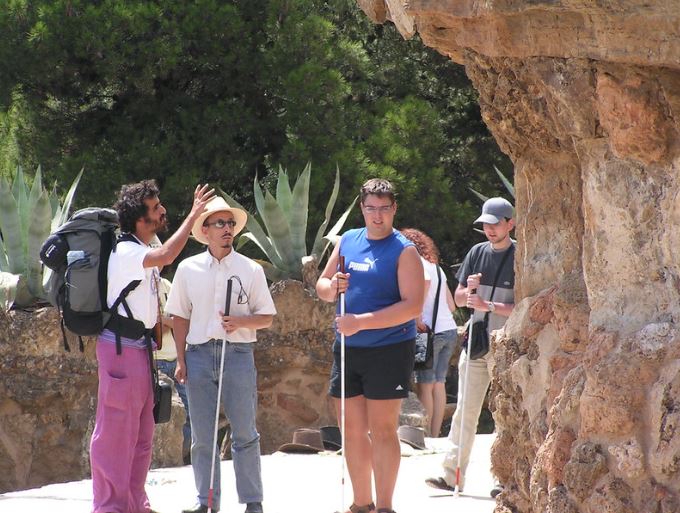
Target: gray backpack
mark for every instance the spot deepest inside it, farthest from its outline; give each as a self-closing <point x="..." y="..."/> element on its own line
<point x="78" y="255"/>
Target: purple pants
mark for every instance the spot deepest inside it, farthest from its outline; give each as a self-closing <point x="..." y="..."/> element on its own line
<point x="120" y="450"/>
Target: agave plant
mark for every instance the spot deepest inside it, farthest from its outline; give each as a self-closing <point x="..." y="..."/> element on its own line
<point x="285" y="221"/>
<point x="508" y="186"/>
<point x="27" y="216"/>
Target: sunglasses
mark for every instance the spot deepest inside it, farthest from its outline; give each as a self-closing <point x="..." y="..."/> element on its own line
<point x="221" y="223"/>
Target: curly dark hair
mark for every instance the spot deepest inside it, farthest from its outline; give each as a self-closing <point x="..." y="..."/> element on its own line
<point x="424" y="244"/>
<point x="130" y="205"/>
<point x="379" y="187"/>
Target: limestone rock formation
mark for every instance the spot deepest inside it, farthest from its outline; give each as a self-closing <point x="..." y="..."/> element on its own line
<point x="584" y="96"/>
<point x="293" y="360"/>
<point x="47" y="402"/>
<point x="48" y="396"/>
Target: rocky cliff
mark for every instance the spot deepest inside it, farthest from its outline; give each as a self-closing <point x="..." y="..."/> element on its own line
<point x="584" y="96"/>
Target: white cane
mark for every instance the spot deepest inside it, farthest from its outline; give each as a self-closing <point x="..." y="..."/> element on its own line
<point x="342" y="392"/>
<point x="227" y="307"/>
<point x="463" y="396"/>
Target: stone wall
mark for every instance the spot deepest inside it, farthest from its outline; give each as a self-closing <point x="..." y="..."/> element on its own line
<point x="293" y="361"/>
<point x="584" y="96"/>
<point x="48" y="396"/>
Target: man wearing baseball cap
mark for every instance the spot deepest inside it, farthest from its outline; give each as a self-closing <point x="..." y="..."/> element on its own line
<point x="201" y="328"/>
<point x="486" y="283"/>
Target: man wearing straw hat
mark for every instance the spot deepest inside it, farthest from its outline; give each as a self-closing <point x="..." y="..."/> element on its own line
<point x="204" y="334"/>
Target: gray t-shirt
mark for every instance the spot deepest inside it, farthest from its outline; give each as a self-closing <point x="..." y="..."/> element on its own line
<point x="482" y="258"/>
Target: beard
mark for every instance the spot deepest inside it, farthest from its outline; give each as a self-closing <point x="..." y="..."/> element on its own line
<point x="160" y="226"/>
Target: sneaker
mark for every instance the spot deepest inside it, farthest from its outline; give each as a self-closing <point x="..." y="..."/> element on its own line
<point x="497" y="488"/>
<point x="441" y="484"/>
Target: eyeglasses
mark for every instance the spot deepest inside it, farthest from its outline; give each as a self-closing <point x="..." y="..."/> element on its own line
<point x="370" y="209"/>
<point x="221" y="223"/>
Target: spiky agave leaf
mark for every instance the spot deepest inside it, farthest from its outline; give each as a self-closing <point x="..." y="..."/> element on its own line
<point x="278" y="230"/>
<point x="271" y="272"/>
<point x="62" y="214"/>
<point x="284" y="196"/>
<point x="259" y="196"/>
<point x="38" y="231"/>
<point x="298" y="215"/>
<point x="506" y="182"/>
<point x="258" y="235"/>
<point x="332" y="235"/>
<point x="20" y="192"/>
<point x="479" y="195"/>
<point x="10" y="226"/>
<point x="54" y="200"/>
<point x="319" y="246"/>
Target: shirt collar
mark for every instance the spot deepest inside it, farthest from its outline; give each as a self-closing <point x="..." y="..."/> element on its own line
<point x="210" y="260"/>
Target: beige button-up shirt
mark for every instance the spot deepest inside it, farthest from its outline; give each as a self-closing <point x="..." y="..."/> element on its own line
<point x="199" y="291"/>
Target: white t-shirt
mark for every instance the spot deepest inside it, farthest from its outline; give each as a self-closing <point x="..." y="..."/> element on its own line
<point x="125" y="265"/>
<point x="168" y="351"/>
<point x="445" y="320"/>
<point x="199" y="290"/>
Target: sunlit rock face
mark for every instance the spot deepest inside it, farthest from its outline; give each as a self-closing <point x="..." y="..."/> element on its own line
<point x="48" y="398"/>
<point x="584" y="96"/>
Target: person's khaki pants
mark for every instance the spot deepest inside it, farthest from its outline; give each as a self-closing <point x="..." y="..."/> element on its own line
<point x="469" y="405"/>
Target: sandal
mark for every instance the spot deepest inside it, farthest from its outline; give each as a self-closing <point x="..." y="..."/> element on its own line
<point x="361" y="509"/>
<point x="386" y="510"/>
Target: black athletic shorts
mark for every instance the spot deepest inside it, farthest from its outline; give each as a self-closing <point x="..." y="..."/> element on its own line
<point x="375" y="372"/>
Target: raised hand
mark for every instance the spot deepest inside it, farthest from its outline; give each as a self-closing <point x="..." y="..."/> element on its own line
<point x="202" y="195"/>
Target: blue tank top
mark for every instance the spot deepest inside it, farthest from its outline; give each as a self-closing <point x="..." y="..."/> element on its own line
<point x="373" y="285"/>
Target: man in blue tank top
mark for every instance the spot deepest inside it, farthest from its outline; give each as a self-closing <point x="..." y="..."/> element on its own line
<point x="384" y="290"/>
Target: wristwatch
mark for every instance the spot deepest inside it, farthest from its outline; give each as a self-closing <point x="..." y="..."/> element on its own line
<point x="491" y="305"/>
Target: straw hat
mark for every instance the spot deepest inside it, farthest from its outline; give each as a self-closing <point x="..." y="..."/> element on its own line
<point x="218" y="204"/>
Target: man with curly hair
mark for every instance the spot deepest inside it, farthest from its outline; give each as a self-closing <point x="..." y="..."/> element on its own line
<point x="120" y="449"/>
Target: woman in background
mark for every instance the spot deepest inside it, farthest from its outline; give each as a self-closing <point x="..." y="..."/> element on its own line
<point x="430" y="383"/>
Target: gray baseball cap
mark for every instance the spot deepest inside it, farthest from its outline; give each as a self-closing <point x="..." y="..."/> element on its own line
<point x="494" y="210"/>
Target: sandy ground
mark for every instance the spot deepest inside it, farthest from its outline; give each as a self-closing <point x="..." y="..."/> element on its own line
<point x="293" y="483"/>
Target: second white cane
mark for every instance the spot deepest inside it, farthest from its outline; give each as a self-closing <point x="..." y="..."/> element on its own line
<point x="463" y="396"/>
<point x="227" y="307"/>
<point x="341" y="260"/>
